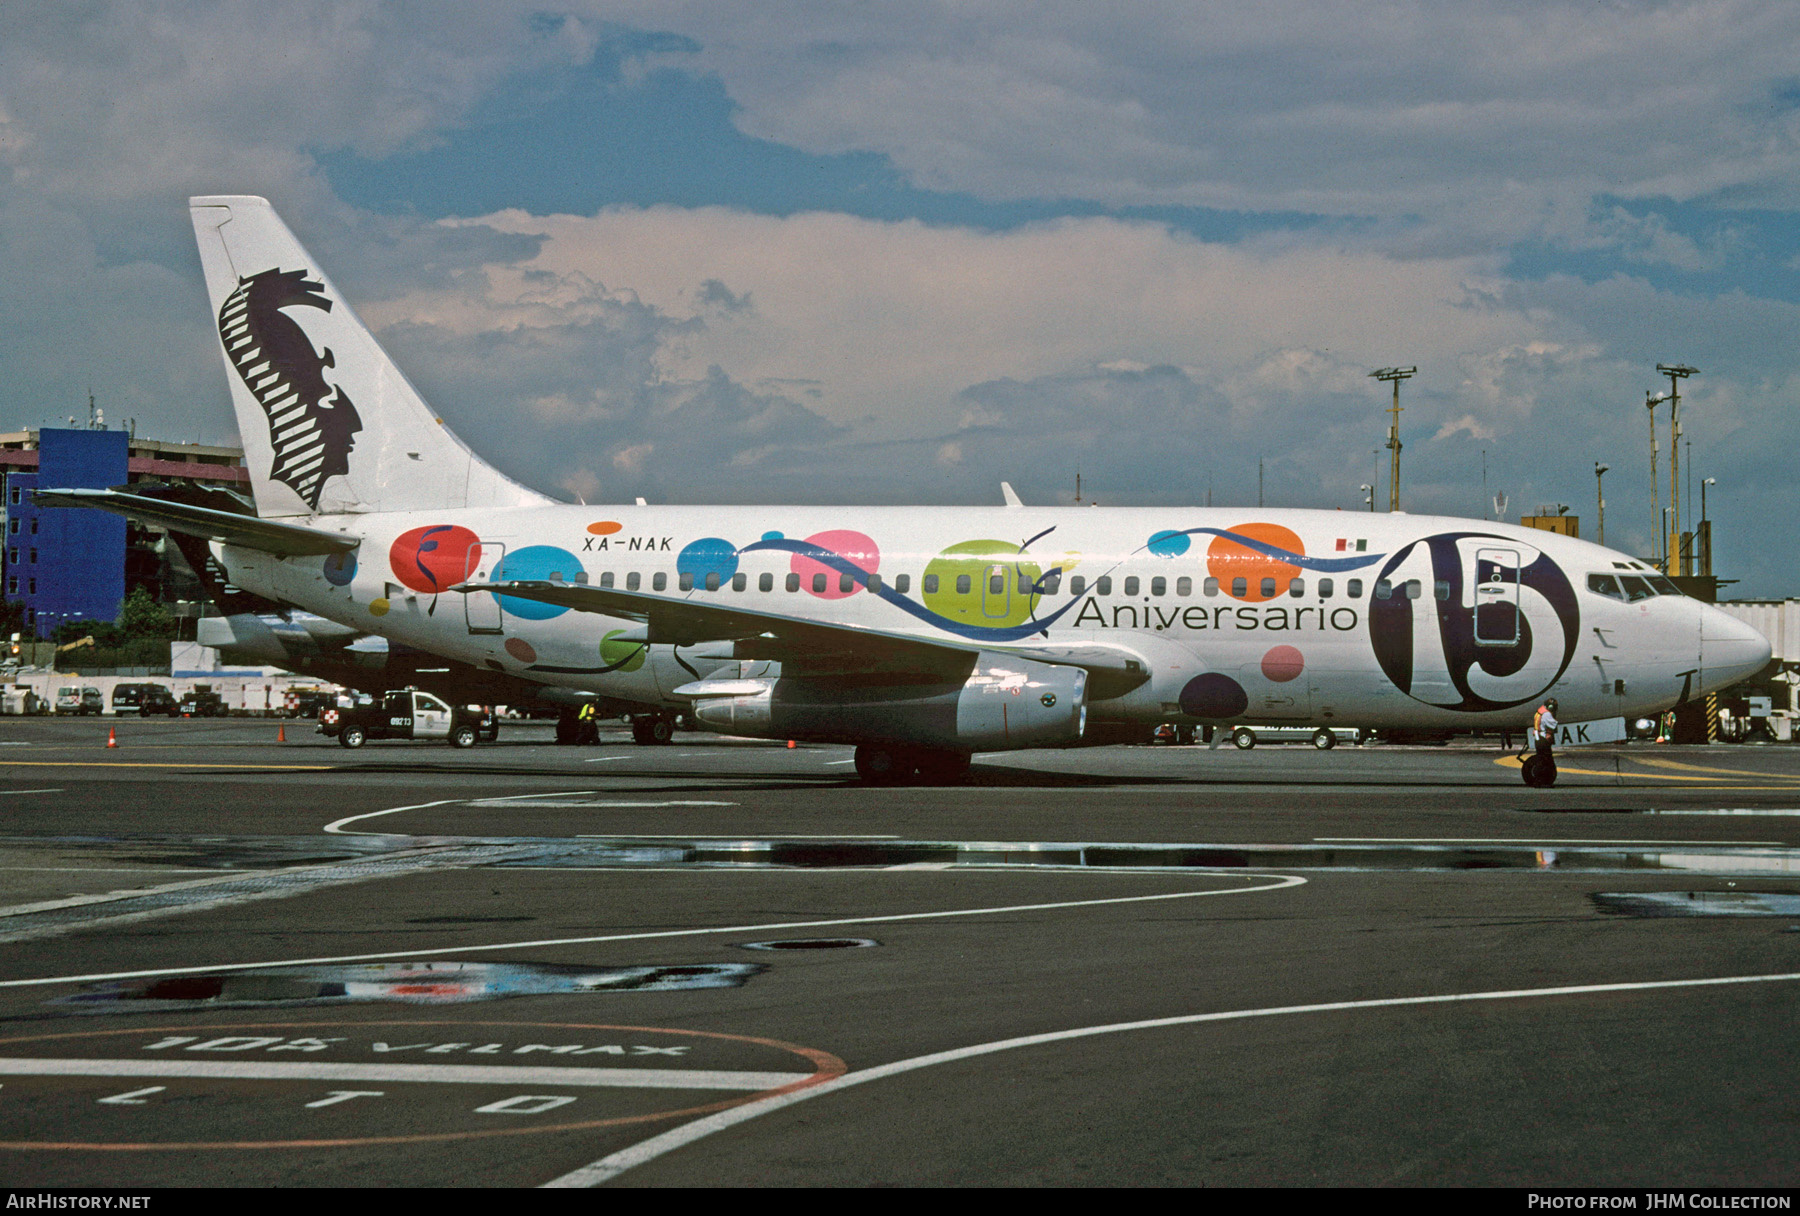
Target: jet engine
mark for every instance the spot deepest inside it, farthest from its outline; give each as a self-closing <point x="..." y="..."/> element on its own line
<point x="998" y="702"/>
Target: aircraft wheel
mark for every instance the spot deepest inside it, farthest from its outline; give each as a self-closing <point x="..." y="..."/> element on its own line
<point x="352" y="736"/>
<point x="662" y="729"/>
<point x="1243" y="739"/>
<point x="881" y="765"/>
<point x="1324" y="740"/>
<point x="1538" y="771"/>
<point x="943" y="768"/>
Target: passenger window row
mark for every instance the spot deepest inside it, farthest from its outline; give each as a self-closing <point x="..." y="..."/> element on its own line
<point x="1048" y="584"/>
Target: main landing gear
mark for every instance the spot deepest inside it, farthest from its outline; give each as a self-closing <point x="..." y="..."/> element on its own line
<point x="1539" y="771"/>
<point x="883" y="764"/>
<point x="652" y="729"/>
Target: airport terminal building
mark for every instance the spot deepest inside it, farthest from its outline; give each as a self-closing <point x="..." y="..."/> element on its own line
<point x="60" y="565"/>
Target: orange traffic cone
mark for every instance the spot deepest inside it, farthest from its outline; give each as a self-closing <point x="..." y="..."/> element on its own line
<point x="790" y="743"/>
<point x="281" y="733"/>
<point x="112" y="737"/>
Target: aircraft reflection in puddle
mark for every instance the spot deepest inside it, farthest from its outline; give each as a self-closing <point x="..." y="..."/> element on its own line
<point x="420" y="983"/>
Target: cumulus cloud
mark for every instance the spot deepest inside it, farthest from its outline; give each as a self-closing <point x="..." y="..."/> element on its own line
<point x="1504" y="117"/>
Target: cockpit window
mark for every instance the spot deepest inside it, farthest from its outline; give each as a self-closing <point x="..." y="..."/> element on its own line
<point x="1663" y="586"/>
<point x="1635" y="588"/>
<point x="1605" y="584"/>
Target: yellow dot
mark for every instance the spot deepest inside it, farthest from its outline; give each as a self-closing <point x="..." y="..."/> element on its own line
<point x="378" y="607"/>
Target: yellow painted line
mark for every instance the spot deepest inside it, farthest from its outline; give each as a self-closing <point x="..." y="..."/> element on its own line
<point x="146" y="764"/>
<point x="1701" y="768"/>
<point x="1513" y="762"/>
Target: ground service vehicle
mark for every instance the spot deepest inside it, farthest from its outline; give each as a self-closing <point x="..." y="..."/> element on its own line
<point x="144" y="700"/>
<point x="307" y="702"/>
<point x="79" y="701"/>
<point x="1322" y="737"/>
<point x="407" y="713"/>
<point x="203" y="702"/>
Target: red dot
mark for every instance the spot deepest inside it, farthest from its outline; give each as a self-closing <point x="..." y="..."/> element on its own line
<point x="1283" y="663"/>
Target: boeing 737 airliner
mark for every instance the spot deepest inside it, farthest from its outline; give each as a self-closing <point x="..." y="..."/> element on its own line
<point x="918" y="634"/>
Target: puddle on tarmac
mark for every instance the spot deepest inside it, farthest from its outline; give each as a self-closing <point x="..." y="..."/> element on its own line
<point x="1698" y="903"/>
<point x="813" y="943"/>
<point x="942" y="855"/>
<point x="421" y="983"/>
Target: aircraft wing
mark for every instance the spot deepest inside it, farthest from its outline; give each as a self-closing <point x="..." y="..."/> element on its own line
<point x="267" y="535"/>
<point x="796" y="641"/>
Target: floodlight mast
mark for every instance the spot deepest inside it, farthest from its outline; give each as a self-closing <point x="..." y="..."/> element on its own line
<point x="1676" y="372"/>
<point x="1651" y="401"/>
<point x="1394" y="375"/>
<point x="1600" y="496"/>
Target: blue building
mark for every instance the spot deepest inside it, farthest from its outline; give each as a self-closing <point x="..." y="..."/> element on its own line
<point x="61" y="564"/>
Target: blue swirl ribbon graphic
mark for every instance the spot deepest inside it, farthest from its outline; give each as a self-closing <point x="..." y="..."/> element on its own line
<point x="1323" y="565"/>
<point x="975" y="633"/>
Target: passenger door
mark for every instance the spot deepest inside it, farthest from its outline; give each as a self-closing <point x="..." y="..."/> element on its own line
<point x="1496" y="597"/>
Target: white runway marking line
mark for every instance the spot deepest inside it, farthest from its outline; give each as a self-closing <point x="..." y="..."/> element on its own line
<point x="611" y="1166"/>
<point x="336" y="826"/>
<point x="1275" y="882"/>
<point x="16" y="792"/>
<point x="453" y="1074"/>
<point x="78" y="901"/>
<point x="1536" y="841"/>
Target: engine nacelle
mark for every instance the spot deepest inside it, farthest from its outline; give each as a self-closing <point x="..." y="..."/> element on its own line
<point x="1003" y="702"/>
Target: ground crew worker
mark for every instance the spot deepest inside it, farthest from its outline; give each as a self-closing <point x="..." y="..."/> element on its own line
<point x="1543" y="725"/>
<point x="588" y="723"/>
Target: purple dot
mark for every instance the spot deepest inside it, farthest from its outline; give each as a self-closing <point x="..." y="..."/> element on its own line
<point x="1213" y="696"/>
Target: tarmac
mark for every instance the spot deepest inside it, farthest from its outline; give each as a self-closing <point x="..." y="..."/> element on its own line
<point x="229" y="960"/>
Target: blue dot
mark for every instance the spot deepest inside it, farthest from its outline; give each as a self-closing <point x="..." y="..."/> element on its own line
<point x="531" y="563"/>
<point x="709" y="555"/>
<point x="340" y="568"/>
<point x="1170" y="544"/>
<point x="773" y="536"/>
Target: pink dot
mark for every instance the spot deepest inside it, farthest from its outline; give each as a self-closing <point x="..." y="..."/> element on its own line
<point x="854" y="547"/>
<point x="521" y="650"/>
<point x="1283" y="663"/>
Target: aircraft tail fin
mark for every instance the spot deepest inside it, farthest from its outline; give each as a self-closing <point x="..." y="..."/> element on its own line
<point x="328" y="422"/>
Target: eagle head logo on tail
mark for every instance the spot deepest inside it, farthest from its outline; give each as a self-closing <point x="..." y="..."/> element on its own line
<point x="311" y="421"/>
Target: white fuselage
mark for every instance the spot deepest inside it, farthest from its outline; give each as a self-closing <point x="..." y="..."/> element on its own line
<point x="1259" y="616"/>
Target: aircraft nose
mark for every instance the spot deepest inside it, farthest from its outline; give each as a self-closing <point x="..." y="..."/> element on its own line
<point x="1729" y="649"/>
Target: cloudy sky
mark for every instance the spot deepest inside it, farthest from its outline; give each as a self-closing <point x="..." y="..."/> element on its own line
<point x="801" y="252"/>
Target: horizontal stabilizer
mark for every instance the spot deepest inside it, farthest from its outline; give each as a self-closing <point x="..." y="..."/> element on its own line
<point x="266" y="535"/>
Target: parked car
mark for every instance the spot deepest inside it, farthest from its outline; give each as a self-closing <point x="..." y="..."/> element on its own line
<point x="80" y="701"/>
<point x="1322" y="737"/>
<point x="408" y="713"/>
<point x="144" y="700"/>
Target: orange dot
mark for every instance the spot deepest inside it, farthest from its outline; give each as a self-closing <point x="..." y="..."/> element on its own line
<point x="1227" y="560"/>
<point x="605" y="527"/>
